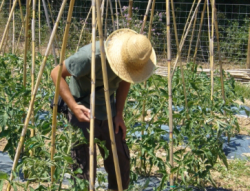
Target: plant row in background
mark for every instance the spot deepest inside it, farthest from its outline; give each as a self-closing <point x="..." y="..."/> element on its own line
<point x="198" y="129"/>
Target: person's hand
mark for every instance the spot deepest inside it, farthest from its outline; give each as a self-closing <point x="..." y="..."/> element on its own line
<point x="82" y="113"/>
<point x="119" y="123"/>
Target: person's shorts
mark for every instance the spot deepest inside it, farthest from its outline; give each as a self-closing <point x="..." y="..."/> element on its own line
<point x="81" y="152"/>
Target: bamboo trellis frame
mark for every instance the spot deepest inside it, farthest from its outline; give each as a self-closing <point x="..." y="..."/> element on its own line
<point x="13" y="32"/>
<point x="26" y="123"/>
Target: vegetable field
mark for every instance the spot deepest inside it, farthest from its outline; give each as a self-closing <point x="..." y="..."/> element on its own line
<point x="197" y="129"/>
<point x="187" y="131"/>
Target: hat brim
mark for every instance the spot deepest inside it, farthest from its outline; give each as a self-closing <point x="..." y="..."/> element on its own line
<point x="113" y="47"/>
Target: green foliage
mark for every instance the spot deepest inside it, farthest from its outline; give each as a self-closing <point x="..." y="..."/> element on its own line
<point x="234" y="40"/>
<point x="197" y="129"/>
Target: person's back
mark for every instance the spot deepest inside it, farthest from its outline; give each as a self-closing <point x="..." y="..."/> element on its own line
<point x="130" y="59"/>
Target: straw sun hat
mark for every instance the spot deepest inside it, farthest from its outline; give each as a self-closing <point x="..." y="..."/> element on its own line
<point x="130" y="55"/>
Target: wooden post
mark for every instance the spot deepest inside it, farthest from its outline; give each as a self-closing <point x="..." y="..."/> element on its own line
<point x="62" y="55"/>
<point x="26" y="123"/>
<point x="107" y="99"/>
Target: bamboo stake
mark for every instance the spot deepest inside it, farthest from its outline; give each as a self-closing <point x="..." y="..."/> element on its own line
<point x="26" y="43"/>
<point x="199" y="33"/>
<point x="179" y="53"/>
<point x="130" y="12"/>
<point x="211" y="40"/>
<point x="120" y="7"/>
<point x="208" y="20"/>
<point x="102" y="10"/>
<point x="1" y="6"/>
<point x="23" y="23"/>
<point x="7" y="38"/>
<point x="187" y="22"/>
<point x="106" y="20"/>
<point x="248" y="51"/>
<point x="145" y="83"/>
<point x="92" y="102"/>
<point x="21" y="11"/>
<point x="48" y="23"/>
<point x="39" y="24"/>
<point x="151" y="19"/>
<point x="7" y="25"/>
<point x="184" y="38"/>
<point x="171" y="177"/>
<point x="80" y="38"/>
<point x="112" y="15"/>
<point x="32" y="131"/>
<point x="13" y="30"/>
<point x="107" y="99"/>
<point x="219" y="53"/>
<point x="26" y="123"/>
<point x="192" y="36"/>
<point x="117" y="21"/>
<point x="62" y="55"/>
<point x="145" y="16"/>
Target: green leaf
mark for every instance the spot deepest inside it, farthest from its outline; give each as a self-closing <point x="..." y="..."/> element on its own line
<point x="3" y="176"/>
<point x="78" y="171"/>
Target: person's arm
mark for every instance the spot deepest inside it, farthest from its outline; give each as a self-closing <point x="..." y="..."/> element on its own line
<point x="121" y="95"/>
<point x="81" y="112"/>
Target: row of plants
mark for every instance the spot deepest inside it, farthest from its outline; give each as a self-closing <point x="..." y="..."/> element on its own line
<point x="198" y="129"/>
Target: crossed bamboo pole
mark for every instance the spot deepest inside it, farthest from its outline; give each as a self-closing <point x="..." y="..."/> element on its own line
<point x="112" y="14"/>
<point x="62" y="55"/>
<point x="107" y="98"/>
<point x="179" y="53"/>
<point x="184" y="37"/>
<point x="199" y="33"/>
<point x="26" y="123"/>
<point x="48" y="23"/>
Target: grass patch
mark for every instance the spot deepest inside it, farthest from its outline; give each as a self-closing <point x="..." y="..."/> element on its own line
<point x="236" y="176"/>
<point x="242" y="90"/>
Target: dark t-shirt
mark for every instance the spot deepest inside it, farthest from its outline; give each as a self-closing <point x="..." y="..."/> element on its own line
<point x="79" y="66"/>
